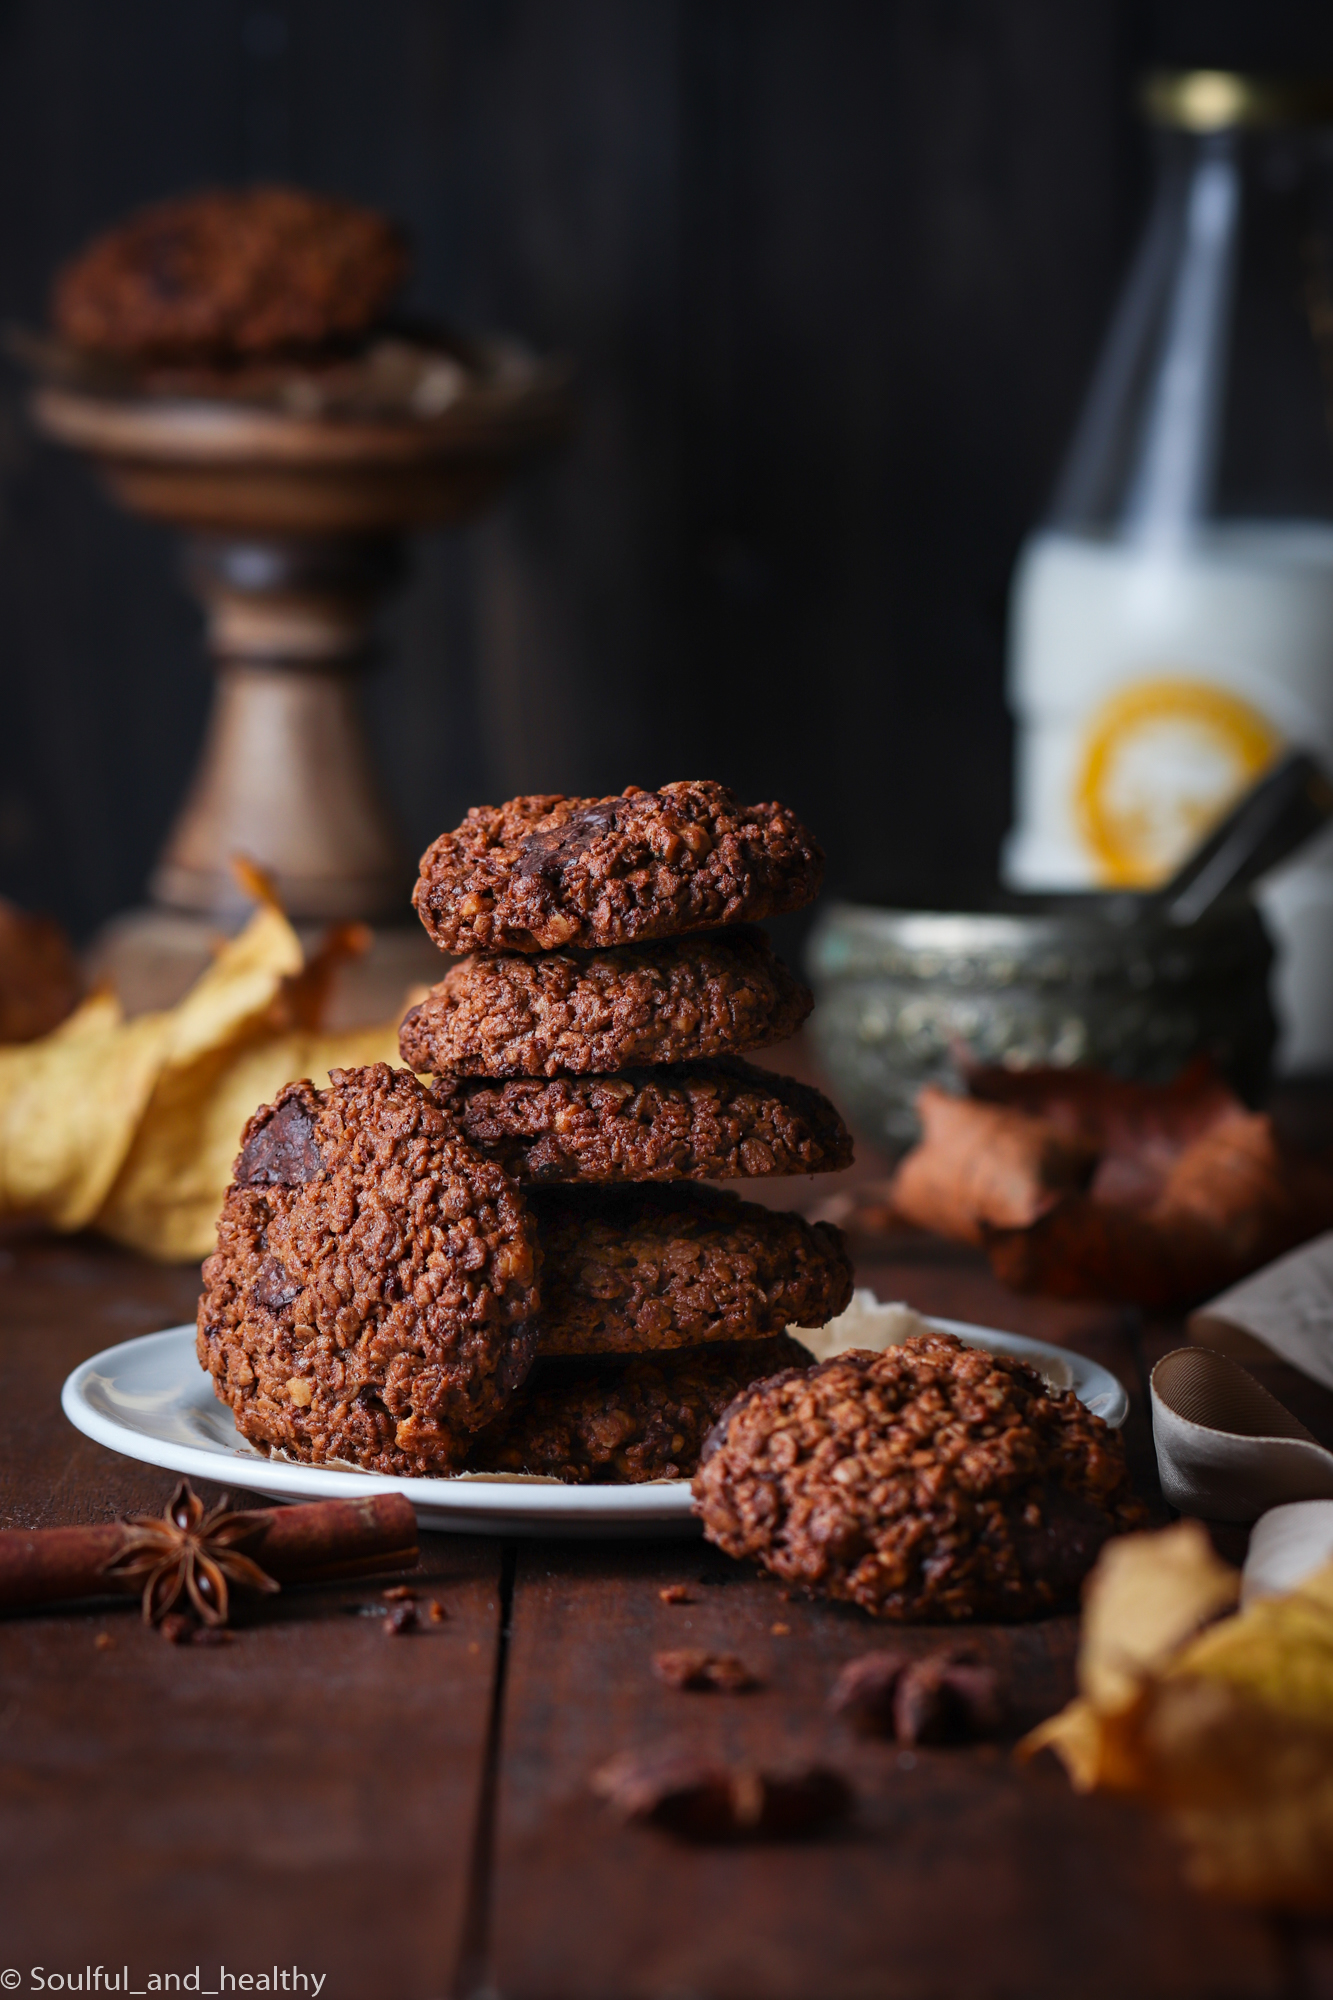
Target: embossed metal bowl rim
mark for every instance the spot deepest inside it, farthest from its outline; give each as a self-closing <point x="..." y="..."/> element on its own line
<point x="1097" y="926"/>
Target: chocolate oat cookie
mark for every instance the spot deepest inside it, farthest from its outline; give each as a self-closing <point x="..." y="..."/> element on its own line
<point x="232" y="272"/>
<point x="567" y="1013"/>
<point x="544" y="872"/>
<point x="372" y="1294"/>
<point x="633" y="1270"/>
<point x="640" y="1417"/>
<point x="700" y="1121"/>
<point x="933" y="1482"/>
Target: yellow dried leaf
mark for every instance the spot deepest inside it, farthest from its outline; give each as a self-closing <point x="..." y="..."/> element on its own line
<point x="93" y="1016"/>
<point x="166" y="1200"/>
<point x="1146" y="1595"/>
<point x="1228" y="1729"/>
<point x="1249" y="1790"/>
<point x="70" y="1104"/>
<point x="132" y="1126"/>
<point x="1075" y="1735"/>
<point x="243" y="980"/>
<point x="1279" y="1650"/>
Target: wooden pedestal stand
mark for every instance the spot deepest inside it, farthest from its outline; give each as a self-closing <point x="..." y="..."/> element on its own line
<point x="296" y="527"/>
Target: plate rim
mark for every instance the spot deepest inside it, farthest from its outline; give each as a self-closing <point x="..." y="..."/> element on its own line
<point x="660" y="1500"/>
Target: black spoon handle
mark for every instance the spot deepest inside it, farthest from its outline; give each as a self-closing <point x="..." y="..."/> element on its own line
<point x="1292" y="800"/>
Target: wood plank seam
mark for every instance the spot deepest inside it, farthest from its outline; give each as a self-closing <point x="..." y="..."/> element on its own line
<point x="471" y="1975"/>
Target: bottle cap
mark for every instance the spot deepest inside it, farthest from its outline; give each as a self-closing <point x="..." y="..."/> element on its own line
<point x="1219" y="100"/>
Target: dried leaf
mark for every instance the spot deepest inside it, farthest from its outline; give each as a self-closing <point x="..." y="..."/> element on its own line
<point x="1076" y="1736"/>
<point x="1229" y="1730"/>
<point x="166" y="1200"/>
<point x="132" y="1126"/>
<point x="70" y="1105"/>
<point x="1146" y="1595"/>
<point x="1248" y="1790"/>
<point x="980" y="1167"/>
<point x="1190" y="1191"/>
<point x="39" y="978"/>
<point x="1138" y="1130"/>
<point x="303" y="997"/>
<point x="1280" y="1651"/>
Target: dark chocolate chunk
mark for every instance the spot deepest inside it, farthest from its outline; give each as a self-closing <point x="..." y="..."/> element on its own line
<point x="691" y="1667"/>
<point x="272" y="1287"/>
<point x="545" y="854"/>
<point x="863" y="1692"/>
<point x="945" y="1697"/>
<point x="282" y="1151"/>
<point x="697" y="1800"/>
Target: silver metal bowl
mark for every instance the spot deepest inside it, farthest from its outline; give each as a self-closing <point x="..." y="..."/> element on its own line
<point x="905" y="997"/>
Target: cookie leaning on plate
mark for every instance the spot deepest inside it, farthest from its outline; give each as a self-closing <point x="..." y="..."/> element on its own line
<point x="373" y="1292"/>
<point x="641" y="1269"/>
<point x="641" y="1417"/>
<point x="567" y="1013"/>
<point x="545" y="872"/>
<point x="932" y="1482"/>
<point x="725" y="1120"/>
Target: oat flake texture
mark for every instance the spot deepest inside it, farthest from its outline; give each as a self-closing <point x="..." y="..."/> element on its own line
<point x="545" y="872"/>
<point x="930" y="1483"/>
<point x="373" y="1294"/>
<point x="726" y="1120"/>
<point x="625" y="1420"/>
<point x="572" y="1013"/>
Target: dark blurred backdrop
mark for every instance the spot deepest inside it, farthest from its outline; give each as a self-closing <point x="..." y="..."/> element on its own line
<point x="832" y="272"/>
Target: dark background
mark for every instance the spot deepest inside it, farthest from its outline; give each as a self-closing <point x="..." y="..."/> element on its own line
<point x="832" y="273"/>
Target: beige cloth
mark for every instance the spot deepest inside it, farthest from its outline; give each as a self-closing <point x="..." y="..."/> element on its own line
<point x="1287" y="1545"/>
<point x="1226" y="1449"/>
<point x="1288" y="1307"/>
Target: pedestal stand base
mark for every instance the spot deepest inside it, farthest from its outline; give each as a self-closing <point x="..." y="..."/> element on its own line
<point x="153" y="957"/>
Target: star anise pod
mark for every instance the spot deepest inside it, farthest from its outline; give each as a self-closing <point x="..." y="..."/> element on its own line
<point x="189" y="1552"/>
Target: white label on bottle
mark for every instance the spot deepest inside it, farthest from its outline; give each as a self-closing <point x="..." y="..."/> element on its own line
<point x="1150" y="688"/>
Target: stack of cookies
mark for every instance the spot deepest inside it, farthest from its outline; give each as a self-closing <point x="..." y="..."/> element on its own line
<point x="516" y="1268"/>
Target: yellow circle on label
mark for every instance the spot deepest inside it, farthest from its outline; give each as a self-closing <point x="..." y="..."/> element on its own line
<point x="1163" y="760"/>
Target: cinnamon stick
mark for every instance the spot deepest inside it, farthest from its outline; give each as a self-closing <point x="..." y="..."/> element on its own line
<point x="326" y="1539"/>
<point x="313" y="1543"/>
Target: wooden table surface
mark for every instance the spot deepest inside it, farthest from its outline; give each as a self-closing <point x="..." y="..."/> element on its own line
<point x="409" y="1818"/>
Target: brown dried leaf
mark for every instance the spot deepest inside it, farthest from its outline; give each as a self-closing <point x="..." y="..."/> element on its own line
<point x="39" y="977"/>
<point x="1137" y="1130"/>
<point x="300" y="1003"/>
<point x="981" y="1167"/>
<point x="1189" y="1193"/>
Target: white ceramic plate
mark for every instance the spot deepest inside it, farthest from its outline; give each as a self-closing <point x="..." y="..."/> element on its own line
<point x="150" y="1399"/>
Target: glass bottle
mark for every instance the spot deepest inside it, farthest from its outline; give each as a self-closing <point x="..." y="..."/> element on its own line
<point x="1172" y="620"/>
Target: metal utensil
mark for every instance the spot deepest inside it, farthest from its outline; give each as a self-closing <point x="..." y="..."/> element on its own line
<point x="1290" y="802"/>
